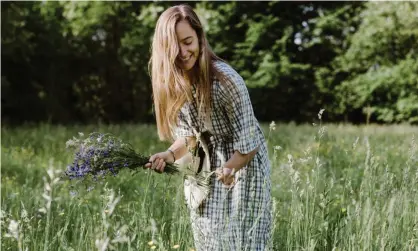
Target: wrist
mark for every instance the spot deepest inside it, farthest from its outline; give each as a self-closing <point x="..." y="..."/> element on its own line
<point x="171" y="152"/>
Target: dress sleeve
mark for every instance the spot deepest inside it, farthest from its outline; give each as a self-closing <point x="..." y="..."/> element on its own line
<point x="183" y="128"/>
<point x="235" y="98"/>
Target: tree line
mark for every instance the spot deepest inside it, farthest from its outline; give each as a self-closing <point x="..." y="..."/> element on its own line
<point x="83" y="62"/>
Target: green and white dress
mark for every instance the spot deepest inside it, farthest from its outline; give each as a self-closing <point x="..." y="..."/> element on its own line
<point x="237" y="218"/>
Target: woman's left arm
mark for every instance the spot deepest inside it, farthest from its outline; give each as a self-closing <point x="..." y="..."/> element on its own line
<point x="234" y="164"/>
<point x="246" y="141"/>
<point x="239" y="160"/>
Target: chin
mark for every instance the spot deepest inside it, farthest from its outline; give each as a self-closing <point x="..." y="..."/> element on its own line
<point x="189" y="66"/>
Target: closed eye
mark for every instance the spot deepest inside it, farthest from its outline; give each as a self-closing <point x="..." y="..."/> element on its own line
<point x="188" y="41"/>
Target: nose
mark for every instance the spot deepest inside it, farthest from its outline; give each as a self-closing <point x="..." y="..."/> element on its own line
<point x="183" y="52"/>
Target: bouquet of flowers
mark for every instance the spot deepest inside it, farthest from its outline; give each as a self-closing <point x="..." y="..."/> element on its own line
<point x="99" y="155"/>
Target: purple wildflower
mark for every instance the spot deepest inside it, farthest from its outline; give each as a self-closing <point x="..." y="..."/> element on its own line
<point x="100" y="155"/>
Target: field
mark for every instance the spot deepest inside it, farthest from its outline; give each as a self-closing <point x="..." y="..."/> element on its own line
<point x="335" y="187"/>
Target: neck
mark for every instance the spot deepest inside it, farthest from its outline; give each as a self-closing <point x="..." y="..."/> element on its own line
<point x="190" y="75"/>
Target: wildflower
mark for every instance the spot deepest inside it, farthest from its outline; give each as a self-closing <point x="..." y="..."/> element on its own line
<point x="13" y="230"/>
<point x="272" y="126"/>
<point x="100" y="155"/>
<point x="277" y="148"/>
<point x="24" y="213"/>
<point x="153" y="247"/>
<point x="150" y="243"/>
<point x="290" y="158"/>
<point x="320" y="113"/>
<point x="176" y="246"/>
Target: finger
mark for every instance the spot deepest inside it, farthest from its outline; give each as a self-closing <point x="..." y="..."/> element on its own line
<point x="157" y="164"/>
<point x="154" y="163"/>
<point x="160" y="165"/>
<point x="162" y="169"/>
<point x="148" y="165"/>
<point x="230" y="185"/>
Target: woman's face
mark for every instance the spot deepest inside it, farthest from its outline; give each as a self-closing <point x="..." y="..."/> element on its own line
<point x="188" y="44"/>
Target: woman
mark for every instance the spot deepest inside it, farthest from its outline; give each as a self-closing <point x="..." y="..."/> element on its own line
<point x="194" y="90"/>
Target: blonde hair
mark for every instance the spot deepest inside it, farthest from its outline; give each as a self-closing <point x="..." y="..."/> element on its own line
<point x="171" y="87"/>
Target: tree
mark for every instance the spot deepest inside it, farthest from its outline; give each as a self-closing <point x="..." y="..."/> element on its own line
<point x="378" y="72"/>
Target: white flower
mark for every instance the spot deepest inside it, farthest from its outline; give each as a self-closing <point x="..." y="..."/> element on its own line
<point x="13" y="230"/>
<point x="101" y="244"/>
<point x="272" y="126"/>
<point x="69" y="143"/>
<point x="290" y="158"/>
<point x="320" y="113"/>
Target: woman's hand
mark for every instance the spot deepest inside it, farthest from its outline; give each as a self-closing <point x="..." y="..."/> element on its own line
<point x="158" y="161"/>
<point x="226" y="176"/>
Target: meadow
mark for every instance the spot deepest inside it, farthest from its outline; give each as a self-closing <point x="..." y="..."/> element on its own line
<point x="335" y="187"/>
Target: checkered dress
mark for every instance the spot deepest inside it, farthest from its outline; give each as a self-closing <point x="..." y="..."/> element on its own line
<point x="237" y="218"/>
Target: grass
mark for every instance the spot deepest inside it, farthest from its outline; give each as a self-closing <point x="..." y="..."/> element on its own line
<point x="335" y="187"/>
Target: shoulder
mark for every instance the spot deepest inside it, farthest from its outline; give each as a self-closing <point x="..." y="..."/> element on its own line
<point x="228" y="74"/>
<point x="225" y="69"/>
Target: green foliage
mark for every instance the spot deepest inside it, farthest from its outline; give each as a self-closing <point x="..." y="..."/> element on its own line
<point x="390" y="92"/>
<point x="88" y="61"/>
<point x="377" y="74"/>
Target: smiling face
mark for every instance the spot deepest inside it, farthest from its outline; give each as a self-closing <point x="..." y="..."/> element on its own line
<point x="181" y="57"/>
<point x="188" y="45"/>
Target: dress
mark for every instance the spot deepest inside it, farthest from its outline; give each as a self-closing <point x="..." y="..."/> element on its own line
<point x="237" y="218"/>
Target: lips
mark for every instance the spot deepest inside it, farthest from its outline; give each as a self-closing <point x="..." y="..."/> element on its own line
<point x="186" y="63"/>
<point x="186" y="59"/>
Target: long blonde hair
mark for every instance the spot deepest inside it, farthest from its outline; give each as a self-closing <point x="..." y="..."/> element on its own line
<point x="171" y="87"/>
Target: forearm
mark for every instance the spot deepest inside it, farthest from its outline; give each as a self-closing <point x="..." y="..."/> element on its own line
<point x="180" y="146"/>
<point x="239" y="160"/>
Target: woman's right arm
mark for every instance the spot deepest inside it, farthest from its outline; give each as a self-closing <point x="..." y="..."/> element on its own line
<point x="181" y="146"/>
<point x="185" y="139"/>
<point x="176" y="151"/>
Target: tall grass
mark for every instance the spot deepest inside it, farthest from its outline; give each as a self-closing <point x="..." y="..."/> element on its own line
<point x="335" y="187"/>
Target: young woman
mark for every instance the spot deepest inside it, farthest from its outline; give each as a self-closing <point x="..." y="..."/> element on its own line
<point x="194" y="90"/>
